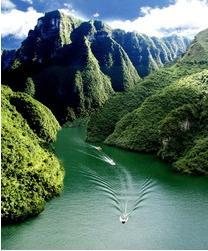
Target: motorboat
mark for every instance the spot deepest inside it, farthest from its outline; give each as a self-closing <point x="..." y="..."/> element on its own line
<point x="109" y="160"/>
<point x="123" y="218"/>
<point x="97" y="148"/>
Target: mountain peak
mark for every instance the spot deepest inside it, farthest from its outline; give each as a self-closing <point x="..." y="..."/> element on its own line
<point x="52" y="31"/>
<point x="198" y="50"/>
<point x="51" y="21"/>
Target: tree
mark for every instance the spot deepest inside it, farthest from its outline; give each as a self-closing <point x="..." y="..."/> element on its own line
<point x="29" y="87"/>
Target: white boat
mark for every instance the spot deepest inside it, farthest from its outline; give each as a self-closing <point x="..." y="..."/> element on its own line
<point x="109" y="160"/>
<point x="123" y="218"/>
<point x="97" y="148"/>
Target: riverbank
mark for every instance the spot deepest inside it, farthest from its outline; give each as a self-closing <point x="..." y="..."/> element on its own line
<point x="86" y="215"/>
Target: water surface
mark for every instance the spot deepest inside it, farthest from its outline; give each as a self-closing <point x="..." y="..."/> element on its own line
<point x="166" y="210"/>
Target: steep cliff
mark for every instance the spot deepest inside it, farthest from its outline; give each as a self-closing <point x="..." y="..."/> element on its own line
<point x="31" y="174"/>
<point x="76" y="66"/>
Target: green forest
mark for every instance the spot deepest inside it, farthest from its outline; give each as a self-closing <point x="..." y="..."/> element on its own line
<point x="139" y="93"/>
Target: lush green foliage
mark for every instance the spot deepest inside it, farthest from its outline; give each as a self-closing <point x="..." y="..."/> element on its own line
<point x="198" y="51"/>
<point x="167" y="113"/>
<point x="39" y="118"/>
<point x="102" y="123"/>
<point x="29" y="87"/>
<point x="185" y="125"/>
<point x="195" y="160"/>
<point x="138" y="130"/>
<point x="173" y="122"/>
<point x="31" y="174"/>
<point x="75" y="66"/>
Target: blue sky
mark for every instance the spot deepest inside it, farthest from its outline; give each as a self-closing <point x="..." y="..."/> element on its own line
<point x="153" y="17"/>
<point x="108" y="9"/>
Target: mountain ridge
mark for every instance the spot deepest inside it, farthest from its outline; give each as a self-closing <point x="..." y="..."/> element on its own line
<point x="55" y="43"/>
<point x="165" y="114"/>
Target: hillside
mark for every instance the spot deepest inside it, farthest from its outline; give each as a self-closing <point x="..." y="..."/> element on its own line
<point x="165" y="114"/>
<point x="178" y="113"/>
<point x="150" y="53"/>
<point x="56" y="55"/>
<point x="31" y="174"/>
<point x="139" y="130"/>
<point x="103" y="123"/>
<point x="198" y="51"/>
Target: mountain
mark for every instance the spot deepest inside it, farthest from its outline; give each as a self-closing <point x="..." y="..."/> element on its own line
<point x="77" y="85"/>
<point x="31" y="174"/>
<point x="51" y="33"/>
<point x="150" y="53"/>
<point x="7" y="58"/>
<point x="76" y="66"/>
<point x="166" y="113"/>
<point x="139" y="129"/>
<point x="198" y="51"/>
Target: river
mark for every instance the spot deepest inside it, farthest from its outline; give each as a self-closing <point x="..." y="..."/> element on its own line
<point x="165" y="210"/>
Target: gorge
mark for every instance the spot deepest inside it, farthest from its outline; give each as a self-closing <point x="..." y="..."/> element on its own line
<point x="107" y="123"/>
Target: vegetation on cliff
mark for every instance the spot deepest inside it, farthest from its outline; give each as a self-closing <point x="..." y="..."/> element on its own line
<point x="54" y="57"/>
<point x="166" y="113"/>
<point x="167" y="121"/>
<point x="138" y="130"/>
<point x="150" y="53"/>
<point x="31" y="173"/>
<point x="102" y="123"/>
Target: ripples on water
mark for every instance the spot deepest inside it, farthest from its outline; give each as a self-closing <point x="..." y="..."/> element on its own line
<point x="126" y="198"/>
<point x="100" y="155"/>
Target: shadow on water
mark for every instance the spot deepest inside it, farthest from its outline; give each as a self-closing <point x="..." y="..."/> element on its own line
<point x="165" y="210"/>
<point x="126" y="198"/>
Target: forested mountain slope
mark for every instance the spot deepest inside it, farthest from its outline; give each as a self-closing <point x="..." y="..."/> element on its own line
<point x="166" y="113"/>
<point x="31" y="174"/>
<point x="76" y="66"/>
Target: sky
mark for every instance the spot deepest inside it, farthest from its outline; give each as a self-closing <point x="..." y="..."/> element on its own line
<point x="152" y="17"/>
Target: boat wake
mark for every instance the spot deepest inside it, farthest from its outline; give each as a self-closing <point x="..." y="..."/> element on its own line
<point x="133" y="198"/>
<point x="100" y="155"/>
<point x="103" y="185"/>
<point x="128" y="198"/>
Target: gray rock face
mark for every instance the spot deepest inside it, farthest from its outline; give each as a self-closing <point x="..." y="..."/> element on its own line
<point x="7" y="57"/>
<point x="150" y="53"/>
<point x="51" y="33"/>
<point x="55" y="30"/>
<point x="76" y="66"/>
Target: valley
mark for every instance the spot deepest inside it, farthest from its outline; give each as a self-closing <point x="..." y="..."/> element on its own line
<point x="104" y="134"/>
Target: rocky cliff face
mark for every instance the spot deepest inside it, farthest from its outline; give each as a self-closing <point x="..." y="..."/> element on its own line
<point x="77" y="65"/>
<point x="7" y="58"/>
<point x="112" y="58"/>
<point x="198" y="50"/>
<point x="166" y="113"/>
<point x="51" y="33"/>
<point x="150" y="53"/>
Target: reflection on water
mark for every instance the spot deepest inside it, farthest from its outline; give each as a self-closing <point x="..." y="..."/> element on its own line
<point x="125" y="199"/>
<point x="161" y="209"/>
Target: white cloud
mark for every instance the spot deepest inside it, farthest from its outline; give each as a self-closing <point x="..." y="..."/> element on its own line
<point x="183" y="17"/>
<point x="27" y="1"/>
<point x="69" y="11"/>
<point x="68" y="5"/>
<point x="96" y="14"/>
<point x="7" y="5"/>
<point x="18" y="23"/>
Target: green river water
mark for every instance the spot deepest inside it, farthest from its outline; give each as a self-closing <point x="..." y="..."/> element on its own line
<point x="166" y="210"/>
